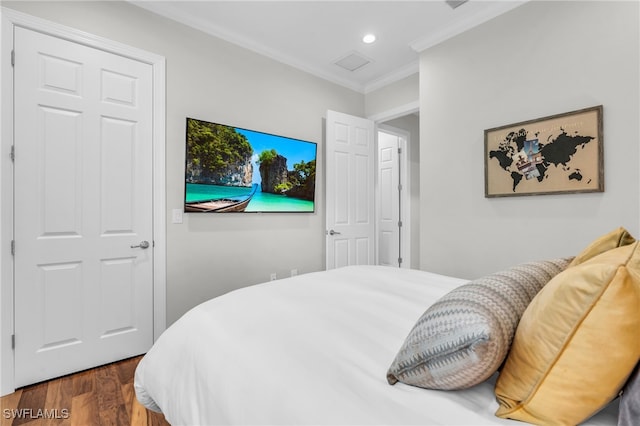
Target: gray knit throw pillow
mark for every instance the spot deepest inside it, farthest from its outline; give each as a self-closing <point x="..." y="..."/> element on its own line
<point x="463" y="338"/>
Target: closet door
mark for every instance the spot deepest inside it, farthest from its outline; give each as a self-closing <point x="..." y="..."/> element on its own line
<point x="83" y="207"/>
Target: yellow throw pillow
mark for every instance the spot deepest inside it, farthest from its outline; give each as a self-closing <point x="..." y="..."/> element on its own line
<point x="577" y="342"/>
<point x="616" y="238"/>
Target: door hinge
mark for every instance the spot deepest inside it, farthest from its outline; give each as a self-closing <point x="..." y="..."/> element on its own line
<point x="13" y="247"/>
<point x="399" y="187"/>
<point x="399" y="150"/>
<point x="399" y="261"/>
<point x="399" y="224"/>
<point x="13" y="58"/>
<point x="13" y="341"/>
<point x="13" y="153"/>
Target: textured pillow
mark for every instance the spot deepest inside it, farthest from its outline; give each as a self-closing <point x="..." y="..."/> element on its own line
<point x="629" y="413"/>
<point x="576" y="343"/>
<point x="463" y="338"/>
<point x="616" y="238"/>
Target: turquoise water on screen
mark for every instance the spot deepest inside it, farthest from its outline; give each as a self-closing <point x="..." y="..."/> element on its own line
<point x="261" y="202"/>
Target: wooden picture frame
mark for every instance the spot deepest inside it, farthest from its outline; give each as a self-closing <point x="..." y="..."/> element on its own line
<point x="557" y="154"/>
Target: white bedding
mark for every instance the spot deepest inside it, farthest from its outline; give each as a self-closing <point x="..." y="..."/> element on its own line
<point x="312" y="349"/>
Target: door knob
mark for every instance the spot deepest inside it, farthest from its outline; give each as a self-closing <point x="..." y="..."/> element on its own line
<point x="142" y="245"/>
<point x="332" y="232"/>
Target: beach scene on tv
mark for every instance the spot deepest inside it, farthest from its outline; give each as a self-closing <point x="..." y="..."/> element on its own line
<point x="229" y="169"/>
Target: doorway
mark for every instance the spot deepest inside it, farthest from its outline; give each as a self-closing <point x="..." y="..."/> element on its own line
<point x="393" y="198"/>
<point x="356" y="243"/>
<point x="405" y="122"/>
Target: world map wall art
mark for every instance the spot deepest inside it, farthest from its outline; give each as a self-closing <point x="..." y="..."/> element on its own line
<point x="551" y="155"/>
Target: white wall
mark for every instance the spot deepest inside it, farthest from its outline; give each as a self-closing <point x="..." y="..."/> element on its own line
<point x="210" y="79"/>
<point x="540" y="59"/>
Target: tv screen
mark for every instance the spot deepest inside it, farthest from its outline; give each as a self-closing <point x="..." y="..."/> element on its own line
<point x="230" y="169"/>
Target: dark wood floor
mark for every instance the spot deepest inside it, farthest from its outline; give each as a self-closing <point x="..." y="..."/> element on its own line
<point x="102" y="396"/>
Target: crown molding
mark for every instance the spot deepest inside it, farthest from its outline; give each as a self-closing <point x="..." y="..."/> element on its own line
<point x="452" y="30"/>
<point x="172" y="11"/>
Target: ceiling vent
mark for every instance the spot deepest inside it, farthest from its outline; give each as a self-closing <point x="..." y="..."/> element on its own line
<point x="353" y="61"/>
<point x="455" y="3"/>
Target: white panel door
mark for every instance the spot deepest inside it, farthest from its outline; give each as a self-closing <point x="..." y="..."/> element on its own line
<point x="83" y="203"/>
<point x="350" y="210"/>
<point x="389" y="206"/>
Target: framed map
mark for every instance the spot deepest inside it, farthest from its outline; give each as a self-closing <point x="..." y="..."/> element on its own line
<point x="550" y="155"/>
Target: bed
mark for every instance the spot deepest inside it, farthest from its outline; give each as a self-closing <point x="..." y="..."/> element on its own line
<point x="311" y="349"/>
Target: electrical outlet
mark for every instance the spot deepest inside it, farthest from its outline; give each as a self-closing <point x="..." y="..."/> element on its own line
<point x="294" y="272"/>
<point x="274" y="276"/>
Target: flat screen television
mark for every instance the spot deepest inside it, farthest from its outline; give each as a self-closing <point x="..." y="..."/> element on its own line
<point x="229" y="170"/>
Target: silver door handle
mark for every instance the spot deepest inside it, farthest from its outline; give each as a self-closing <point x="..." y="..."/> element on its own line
<point x="332" y="232"/>
<point x="142" y="245"/>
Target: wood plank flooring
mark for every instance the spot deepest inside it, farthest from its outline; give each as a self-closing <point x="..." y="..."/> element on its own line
<point x="103" y="396"/>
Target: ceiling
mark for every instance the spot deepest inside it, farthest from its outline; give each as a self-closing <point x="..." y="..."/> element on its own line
<point x="314" y="35"/>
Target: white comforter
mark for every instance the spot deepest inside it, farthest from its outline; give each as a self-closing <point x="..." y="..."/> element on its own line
<point x="312" y="349"/>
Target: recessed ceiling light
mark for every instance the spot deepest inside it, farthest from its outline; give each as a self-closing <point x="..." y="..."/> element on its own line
<point x="369" y="38"/>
